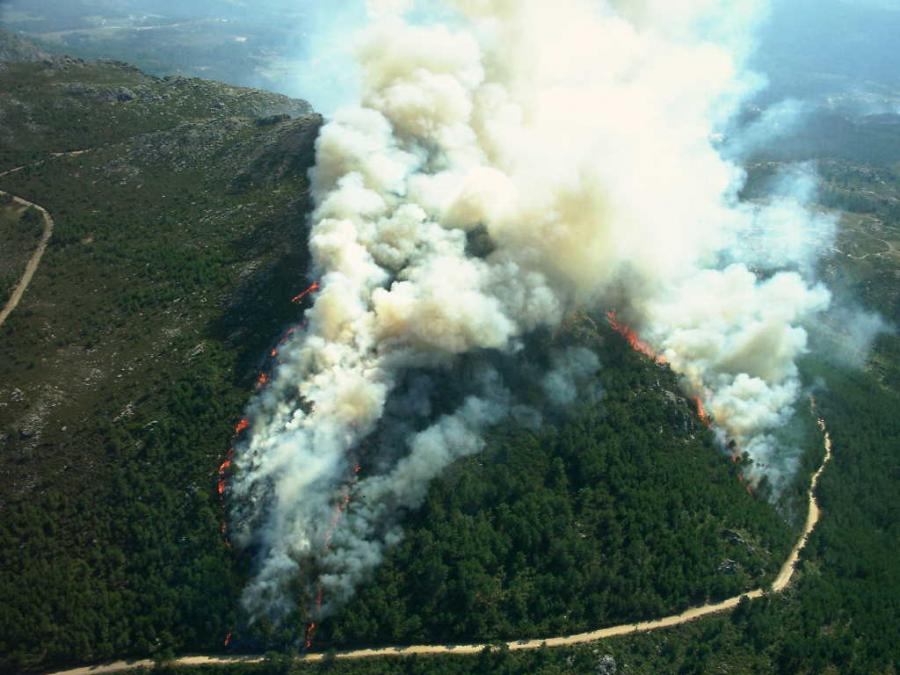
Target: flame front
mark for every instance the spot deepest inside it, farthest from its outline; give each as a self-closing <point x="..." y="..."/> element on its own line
<point x="701" y="412"/>
<point x="310" y="634"/>
<point x="223" y="469"/>
<point x="634" y="341"/>
<point x="644" y="348"/>
<point x="312" y="289"/>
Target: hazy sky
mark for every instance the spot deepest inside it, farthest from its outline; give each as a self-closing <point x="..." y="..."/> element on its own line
<point x="810" y="47"/>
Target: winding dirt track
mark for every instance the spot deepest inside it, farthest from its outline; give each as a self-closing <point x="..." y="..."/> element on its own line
<point x="782" y="581"/>
<point x="35" y="259"/>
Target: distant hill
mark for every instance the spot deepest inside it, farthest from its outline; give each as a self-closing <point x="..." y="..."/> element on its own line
<point x="50" y="104"/>
<point x="15" y="48"/>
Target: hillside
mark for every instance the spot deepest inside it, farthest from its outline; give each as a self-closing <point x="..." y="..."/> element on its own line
<point x="57" y="104"/>
<point x="178" y="245"/>
<point x="622" y="509"/>
<point x="20" y="231"/>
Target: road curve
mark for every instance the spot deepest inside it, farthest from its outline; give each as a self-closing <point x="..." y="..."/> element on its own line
<point x="782" y="581"/>
<point x="33" y="262"/>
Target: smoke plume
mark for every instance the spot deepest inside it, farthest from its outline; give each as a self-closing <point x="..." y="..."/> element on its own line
<point x="512" y="163"/>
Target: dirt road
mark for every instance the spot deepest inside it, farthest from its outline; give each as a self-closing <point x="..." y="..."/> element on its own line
<point x="782" y="581"/>
<point x="33" y="262"/>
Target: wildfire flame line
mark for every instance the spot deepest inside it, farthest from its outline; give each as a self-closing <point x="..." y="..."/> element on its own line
<point x="312" y="289"/>
<point x="221" y="485"/>
<point x="340" y="508"/>
<point x="642" y="347"/>
<point x="634" y="341"/>
<point x="701" y="412"/>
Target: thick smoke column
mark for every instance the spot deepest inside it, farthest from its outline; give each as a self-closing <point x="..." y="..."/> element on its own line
<point x="575" y="138"/>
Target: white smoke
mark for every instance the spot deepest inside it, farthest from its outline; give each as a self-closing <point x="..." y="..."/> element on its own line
<point x="569" y="377"/>
<point x="577" y="137"/>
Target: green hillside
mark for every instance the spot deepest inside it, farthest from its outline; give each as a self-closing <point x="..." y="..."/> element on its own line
<point x="179" y="242"/>
<point x="624" y="510"/>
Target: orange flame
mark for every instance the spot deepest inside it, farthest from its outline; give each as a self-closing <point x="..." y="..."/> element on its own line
<point x="262" y="380"/>
<point x="223" y="467"/>
<point x="227" y="639"/>
<point x="241" y="426"/>
<point x="227" y="461"/>
<point x="701" y="411"/>
<point x="340" y="508"/>
<point x="310" y="634"/>
<point x="273" y="353"/>
<point x="634" y="341"/>
<point x="312" y="289"/>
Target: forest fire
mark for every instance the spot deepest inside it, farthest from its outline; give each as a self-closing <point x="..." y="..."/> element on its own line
<point x="634" y="341"/>
<point x="339" y="509"/>
<point x="223" y="468"/>
<point x="311" y="626"/>
<point x="701" y="412"/>
<point x="312" y="289"/>
<point x="227" y="640"/>
<point x="262" y="380"/>
<point x="241" y="426"/>
<point x="310" y="634"/>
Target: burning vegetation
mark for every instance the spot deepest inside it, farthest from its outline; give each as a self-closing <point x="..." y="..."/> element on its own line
<point x="311" y="289"/>
<point x="636" y="343"/>
<point x="701" y="412"/>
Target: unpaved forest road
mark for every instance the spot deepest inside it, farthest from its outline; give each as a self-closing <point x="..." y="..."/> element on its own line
<point x="782" y="581"/>
<point x="35" y="259"/>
